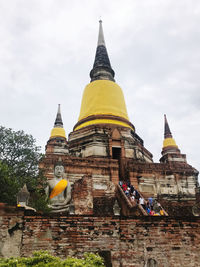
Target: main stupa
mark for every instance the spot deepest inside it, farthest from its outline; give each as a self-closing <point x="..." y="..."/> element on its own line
<point x="103" y="115"/>
<point x="103" y="100"/>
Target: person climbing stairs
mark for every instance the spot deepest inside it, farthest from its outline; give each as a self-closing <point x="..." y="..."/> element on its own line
<point x="134" y="198"/>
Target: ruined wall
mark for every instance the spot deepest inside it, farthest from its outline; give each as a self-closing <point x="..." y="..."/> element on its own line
<point x="11" y="229"/>
<point x="170" y="180"/>
<point x="131" y="242"/>
<point x="75" y="168"/>
<point x="127" y="242"/>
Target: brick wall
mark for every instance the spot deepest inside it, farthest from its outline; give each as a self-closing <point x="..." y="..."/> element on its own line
<point x="131" y="242"/>
<point x="171" y="241"/>
<point x="11" y="228"/>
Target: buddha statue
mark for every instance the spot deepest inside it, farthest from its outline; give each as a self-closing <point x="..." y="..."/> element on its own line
<point x="59" y="190"/>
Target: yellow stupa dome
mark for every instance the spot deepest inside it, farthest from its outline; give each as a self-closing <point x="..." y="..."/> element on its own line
<point x="167" y="142"/>
<point x="103" y="100"/>
<point x="103" y="103"/>
<point x="58" y="132"/>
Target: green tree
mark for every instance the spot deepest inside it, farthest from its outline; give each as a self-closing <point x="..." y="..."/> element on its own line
<point x="9" y="185"/>
<point x="19" y="151"/>
<point x="44" y="258"/>
<point x="19" y="159"/>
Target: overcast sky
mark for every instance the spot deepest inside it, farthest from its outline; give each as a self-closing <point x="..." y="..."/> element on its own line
<point x="47" y="50"/>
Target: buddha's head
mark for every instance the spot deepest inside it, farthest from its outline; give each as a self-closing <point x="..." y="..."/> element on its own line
<point x="59" y="170"/>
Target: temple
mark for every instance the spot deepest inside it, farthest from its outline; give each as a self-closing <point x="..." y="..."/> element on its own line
<point x="108" y="195"/>
<point x="104" y="140"/>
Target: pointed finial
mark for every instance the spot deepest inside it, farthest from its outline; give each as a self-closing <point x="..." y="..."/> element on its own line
<point x="101" y="40"/>
<point x="167" y="132"/>
<point x="58" y="121"/>
<point x="59" y="108"/>
<point x="102" y="69"/>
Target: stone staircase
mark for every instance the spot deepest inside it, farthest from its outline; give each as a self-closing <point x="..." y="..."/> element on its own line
<point x="131" y="208"/>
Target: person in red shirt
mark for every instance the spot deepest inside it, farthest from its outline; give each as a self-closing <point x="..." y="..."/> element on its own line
<point x="124" y="186"/>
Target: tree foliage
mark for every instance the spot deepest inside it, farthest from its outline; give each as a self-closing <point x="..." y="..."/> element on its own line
<point x="19" y="159"/>
<point x="9" y="185"/>
<point x="19" y="151"/>
<point x="44" y="258"/>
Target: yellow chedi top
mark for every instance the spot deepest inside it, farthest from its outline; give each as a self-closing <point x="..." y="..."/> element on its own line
<point x="103" y="97"/>
<point x="103" y="100"/>
<point x="58" y="132"/>
<point x="169" y="142"/>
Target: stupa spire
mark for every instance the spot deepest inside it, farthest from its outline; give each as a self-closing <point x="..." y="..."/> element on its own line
<point x="58" y="121"/>
<point x="102" y="69"/>
<point x="167" y="132"/>
<point x="169" y="141"/>
<point x="101" y="40"/>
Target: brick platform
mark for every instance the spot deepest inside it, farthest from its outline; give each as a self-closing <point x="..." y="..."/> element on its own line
<point x="170" y="241"/>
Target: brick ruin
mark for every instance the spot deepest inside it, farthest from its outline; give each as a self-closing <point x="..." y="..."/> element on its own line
<point x="102" y="150"/>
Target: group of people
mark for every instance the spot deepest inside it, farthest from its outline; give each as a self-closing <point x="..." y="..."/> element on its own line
<point x="151" y="206"/>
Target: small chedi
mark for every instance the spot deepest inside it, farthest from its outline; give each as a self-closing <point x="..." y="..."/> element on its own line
<point x="107" y="195"/>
